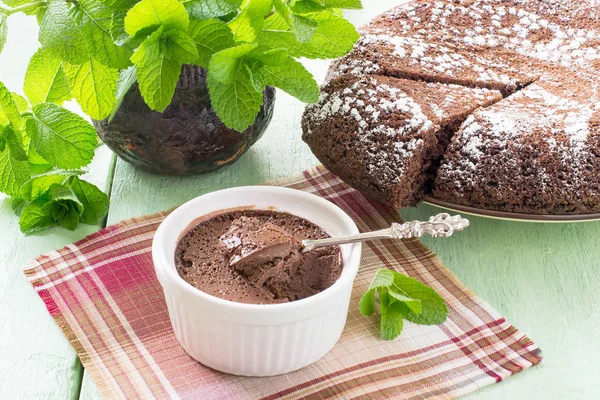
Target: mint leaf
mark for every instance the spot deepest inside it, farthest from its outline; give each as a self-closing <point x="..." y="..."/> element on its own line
<point x="45" y="79"/>
<point x="58" y="206"/>
<point x="158" y="63"/>
<point x="61" y="35"/>
<point x="13" y="173"/>
<point x="272" y="57"/>
<point x="16" y="3"/>
<point x="17" y="205"/>
<point x="37" y="215"/>
<point x="290" y="76"/>
<point x="347" y="4"/>
<point x="120" y="5"/>
<point x="307" y="6"/>
<point x="14" y="143"/>
<point x="39" y="184"/>
<point x="334" y="37"/>
<point x="20" y="102"/>
<point x="235" y="103"/>
<point x="9" y="113"/>
<point x="225" y="64"/>
<point x="70" y="219"/>
<point x="65" y="195"/>
<point x="247" y="24"/>
<point x="94" y="86"/>
<point x="302" y="27"/>
<point x="275" y="22"/>
<point x="68" y="207"/>
<point x="413" y="305"/>
<point x="367" y="303"/>
<point x="391" y="318"/>
<point x="117" y="27"/>
<point x="210" y="36"/>
<point x="63" y="138"/>
<point x="34" y="158"/>
<point x="147" y="13"/>
<point x="204" y="9"/>
<point x="3" y="30"/>
<point x="95" y="20"/>
<point x="434" y="309"/>
<point x="383" y="278"/>
<point x="402" y="297"/>
<point x="127" y="78"/>
<point x="179" y="46"/>
<point x="95" y="202"/>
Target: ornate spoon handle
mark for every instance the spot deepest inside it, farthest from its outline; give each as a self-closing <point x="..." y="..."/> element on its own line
<point x="441" y="225"/>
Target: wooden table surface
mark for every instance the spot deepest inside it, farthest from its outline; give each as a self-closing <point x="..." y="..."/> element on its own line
<point x="544" y="278"/>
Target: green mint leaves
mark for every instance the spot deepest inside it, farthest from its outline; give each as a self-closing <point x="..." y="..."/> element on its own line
<point x="42" y="149"/>
<point x="45" y="79"/>
<point x="156" y="13"/>
<point x="210" y="36"/>
<point x="236" y="42"/>
<point x="248" y="23"/>
<point x="94" y="85"/>
<point x="65" y="204"/>
<point x="93" y="51"/>
<point x="402" y="297"/>
<point x="95" y="22"/>
<point x="237" y="102"/>
<point x="334" y="36"/>
<point x="166" y="47"/>
<point x="158" y="62"/>
<point x="91" y="41"/>
<point x="203" y="9"/>
<point x="267" y="36"/>
<point x="61" y="137"/>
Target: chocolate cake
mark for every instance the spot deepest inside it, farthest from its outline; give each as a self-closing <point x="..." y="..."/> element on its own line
<point x="381" y="134"/>
<point x="489" y="103"/>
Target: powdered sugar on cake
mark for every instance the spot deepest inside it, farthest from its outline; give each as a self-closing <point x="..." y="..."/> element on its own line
<point x="378" y="99"/>
<point x="514" y="128"/>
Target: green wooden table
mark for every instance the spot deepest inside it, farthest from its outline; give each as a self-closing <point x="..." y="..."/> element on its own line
<point x="545" y="279"/>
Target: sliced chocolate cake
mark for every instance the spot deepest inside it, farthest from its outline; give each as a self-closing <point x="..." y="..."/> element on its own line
<point x="535" y="152"/>
<point x="383" y="134"/>
<point x="427" y="60"/>
<point x="504" y="106"/>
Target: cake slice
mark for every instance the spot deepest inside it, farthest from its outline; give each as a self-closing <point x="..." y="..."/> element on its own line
<point x="423" y="59"/>
<point x="537" y="151"/>
<point x="527" y="36"/>
<point x="383" y="135"/>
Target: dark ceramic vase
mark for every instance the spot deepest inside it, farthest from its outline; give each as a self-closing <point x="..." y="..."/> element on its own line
<point x="187" y="137"/>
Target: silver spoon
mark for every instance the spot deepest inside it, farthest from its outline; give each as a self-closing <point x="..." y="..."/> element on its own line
<point x="441" y="225"/>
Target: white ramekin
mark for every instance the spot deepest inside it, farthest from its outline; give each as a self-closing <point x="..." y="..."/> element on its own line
<point x="249" y="339"/>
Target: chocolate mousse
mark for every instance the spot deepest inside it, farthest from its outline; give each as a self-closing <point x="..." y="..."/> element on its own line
<point x="255" y="256"/>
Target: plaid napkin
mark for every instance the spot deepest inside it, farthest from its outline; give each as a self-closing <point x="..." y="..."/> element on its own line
<point x="102" y="291"/>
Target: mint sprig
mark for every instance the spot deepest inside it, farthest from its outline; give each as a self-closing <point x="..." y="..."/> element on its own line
<point x="42" y="150"/>
<point x="91" y="41"/>
<point x="402" y="297"/>
<point x="93" y="51"/>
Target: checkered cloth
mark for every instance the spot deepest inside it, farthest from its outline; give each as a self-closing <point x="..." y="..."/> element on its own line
<point x="102" y="291"/>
